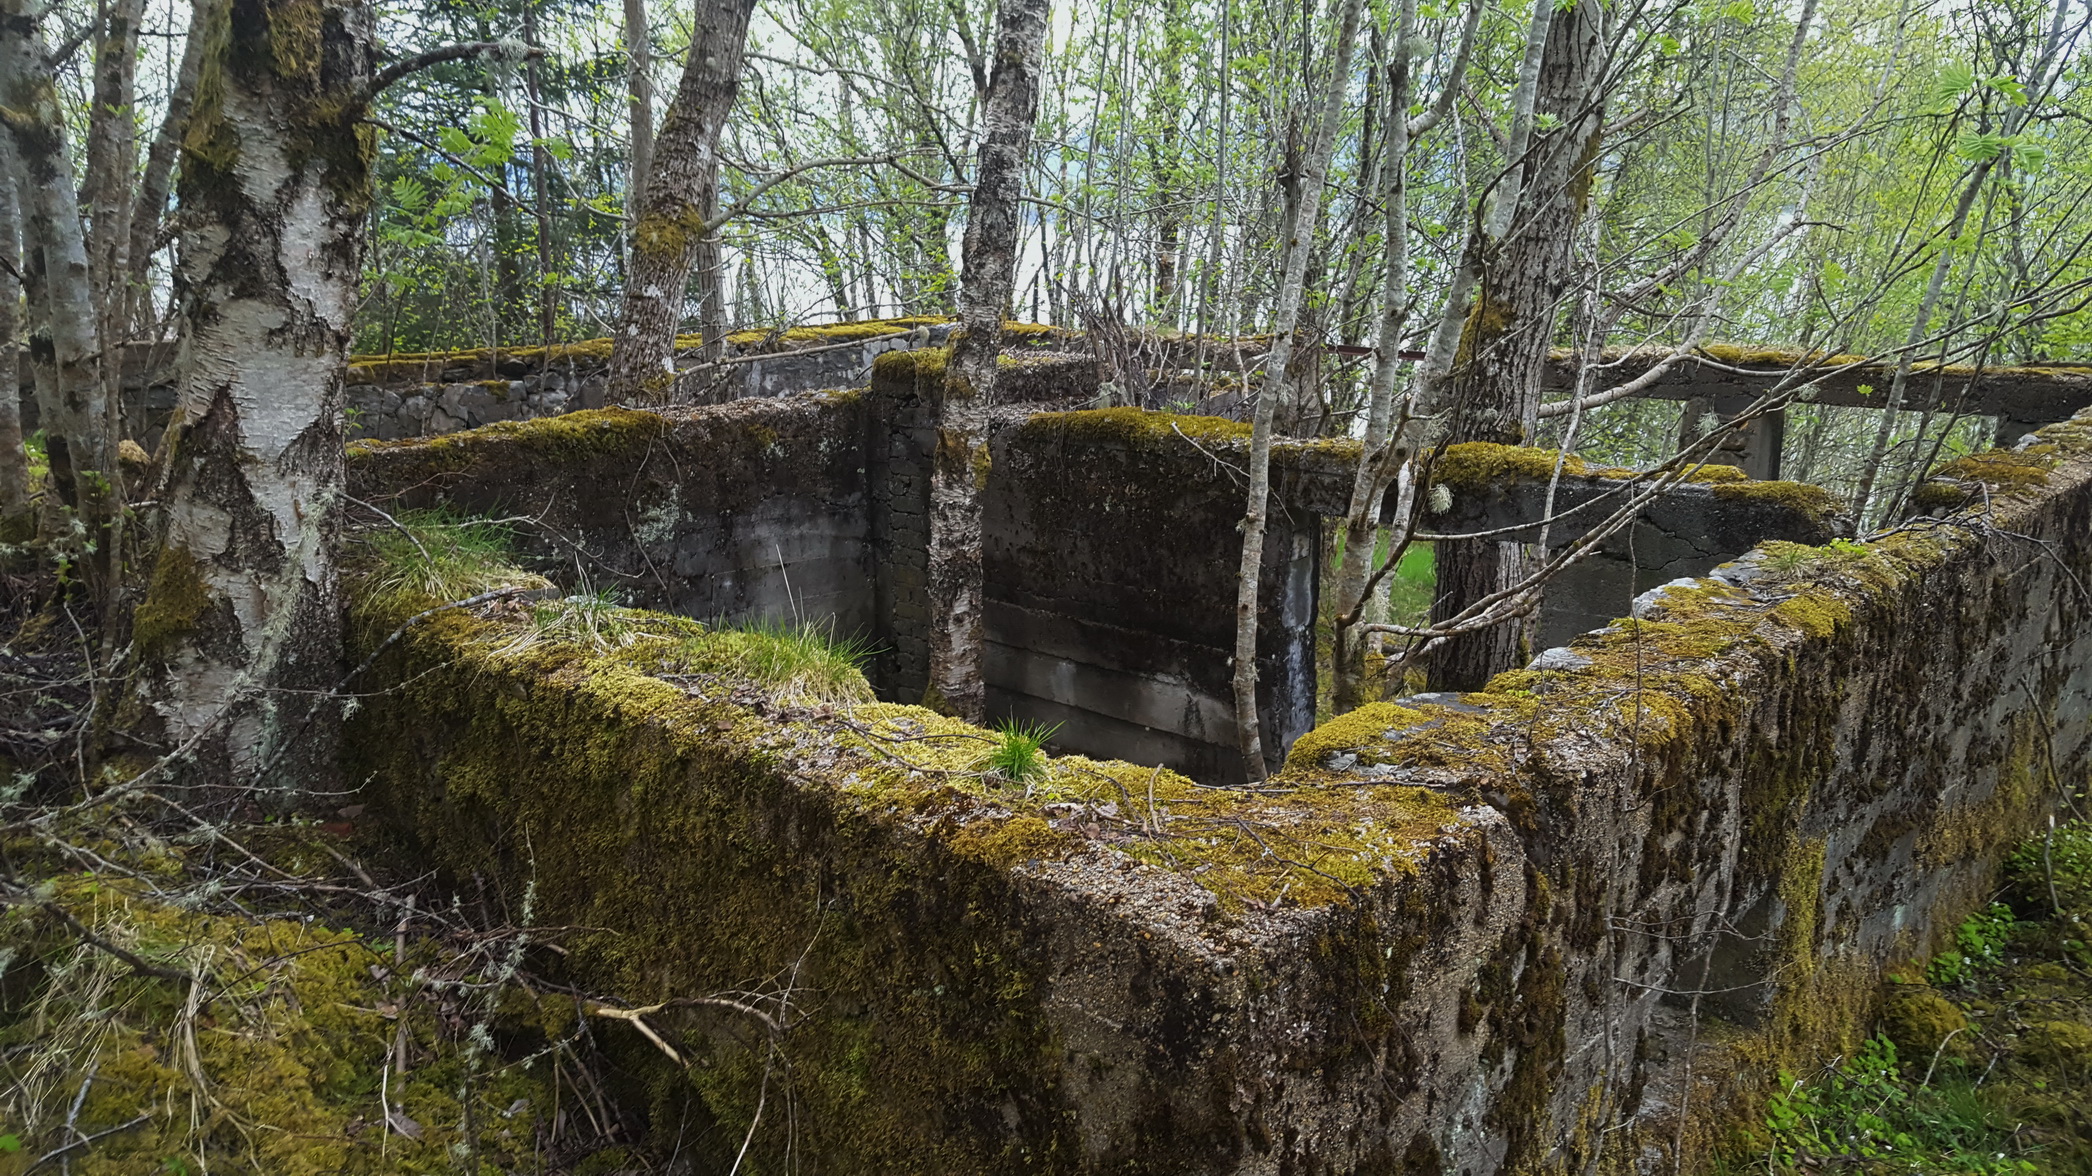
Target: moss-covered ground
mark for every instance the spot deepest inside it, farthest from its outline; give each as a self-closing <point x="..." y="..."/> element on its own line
<point x="261" y="1043"/>
<point x="1982" y="1059"/>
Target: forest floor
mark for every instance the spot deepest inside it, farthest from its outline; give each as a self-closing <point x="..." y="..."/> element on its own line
<point x="196" y="983"/>
<point x="1981" y="1064"/>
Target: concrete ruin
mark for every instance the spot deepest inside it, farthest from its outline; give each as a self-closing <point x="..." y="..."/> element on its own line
<point x="1562" y="922"/>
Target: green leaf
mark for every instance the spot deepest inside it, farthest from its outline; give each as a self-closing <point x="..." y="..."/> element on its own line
<point x="1740" y="11"/>
<point x="454" y="140"/>
<point x="409" y="193"/>
<point x="2012" y="88"/>
<point x="1980" y="146"/>
<point x="1953" y="82"/>
<point x="10" y="1144"/>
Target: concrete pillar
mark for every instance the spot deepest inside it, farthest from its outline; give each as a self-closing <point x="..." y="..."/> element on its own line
<point x="1754" y="448"/>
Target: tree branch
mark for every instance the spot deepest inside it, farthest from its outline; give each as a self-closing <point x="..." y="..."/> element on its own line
<point x="508" y="50"/>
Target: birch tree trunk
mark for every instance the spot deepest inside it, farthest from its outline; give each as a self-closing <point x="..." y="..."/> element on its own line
<point x="1494" y="391"/>
<point x="242" y="616"/>
<point x="639" y="91"/>
<point x="708" y="282"/>
<point x="674" y="221"/>
<point x="959" y="471"/>
<point x="112" y="158"/>
<point x="65" y="347"/>
<point x="1386" y="445"/>
<point x="153" y="188"/>
<point x="16" y="523"/>
<point x="1920" y="323"/>
<point x="1362" y="518"/>
<point x="1303" y="215"/>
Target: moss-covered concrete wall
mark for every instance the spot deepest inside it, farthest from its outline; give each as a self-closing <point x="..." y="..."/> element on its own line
<point x="2027" y="396"/>
<point x="1522" y="930"/>
<point x="1746" y="805"/>
<point x="1106" y="969"/>
<point x="1110" y="586"/>
<point x="1112" y="543"/>
<point x="753" y="510"/>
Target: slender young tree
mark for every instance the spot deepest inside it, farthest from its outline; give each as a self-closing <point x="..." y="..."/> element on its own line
<point x="65" y="345"/>
<point x="675" y="220"/>
<point x="1306" y="174"/>
<point x="16" y="523"/>
<point x="112" y="157"/>
<point x="2044" y="74"/>
<point x="149" y="211"/>
<point x="639" y="95"/>
<point x="1387" y="446"/>
<point x="242" y="618"/>
<point x="989" y="271"/>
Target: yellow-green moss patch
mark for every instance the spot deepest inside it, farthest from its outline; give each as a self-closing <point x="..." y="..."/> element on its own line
<point x="1136" y="427"/>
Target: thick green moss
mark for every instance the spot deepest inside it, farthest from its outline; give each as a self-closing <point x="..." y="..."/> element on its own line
<point x="575" y="436"/>
<point x="277" y="1068"/>
<point x="923" y="365"/>
<point x="174" y="605"/>
<point x="834" y="332"/>
<point x="1999" y="472"/>
<point x="1801" y="497"/>
<point x="1136" y="427"/>
<point x="1478" y="465"/>
<point x="714" y="838"/>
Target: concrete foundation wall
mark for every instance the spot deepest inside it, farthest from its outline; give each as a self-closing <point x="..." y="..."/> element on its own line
<point x="1110" y="543"/>
<point x="1461" y="935"/>
<point x="1782" y="783"/>
<point x="750" y="511"/>
<point x="1111" y="559"/>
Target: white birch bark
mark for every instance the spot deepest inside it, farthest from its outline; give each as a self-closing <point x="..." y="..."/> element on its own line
<point x="959" y="468"/>
<point x="16" y="523"/>
<point x="65" y="349"/>
<point x="241" y="622"/>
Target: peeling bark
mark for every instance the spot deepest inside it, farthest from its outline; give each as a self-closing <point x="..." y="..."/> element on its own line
<point x="959" y="472"/>
<point x="242" y="616"/>
<point x="674" y="220"/>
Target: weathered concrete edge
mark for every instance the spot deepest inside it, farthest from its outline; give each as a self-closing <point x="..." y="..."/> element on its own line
<point x="1551" y="755"/>
<point x="992" y="990"/>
